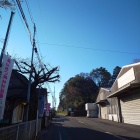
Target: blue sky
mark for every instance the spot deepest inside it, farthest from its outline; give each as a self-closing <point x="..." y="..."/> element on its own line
<point x="77" y="35"/>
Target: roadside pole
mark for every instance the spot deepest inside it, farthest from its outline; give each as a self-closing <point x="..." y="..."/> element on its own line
<point x="6" y="38"/>
<point x="37" y="112"/>
<point x="30" y="76"/>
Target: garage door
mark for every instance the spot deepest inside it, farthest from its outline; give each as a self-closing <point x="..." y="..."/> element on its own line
<point x="130" y="107"/>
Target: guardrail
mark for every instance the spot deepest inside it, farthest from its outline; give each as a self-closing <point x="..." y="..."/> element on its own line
<point x="21" y="131"/>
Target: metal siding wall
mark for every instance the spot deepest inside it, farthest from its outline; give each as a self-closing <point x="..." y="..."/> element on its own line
<point x="130" y="106"/>
<point x="104" y="114"/>
<point x="113" y="109"/>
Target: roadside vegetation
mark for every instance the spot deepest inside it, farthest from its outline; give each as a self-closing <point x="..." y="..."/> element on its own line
<point x="60" y="113"/>
<point x="84" y="88"/>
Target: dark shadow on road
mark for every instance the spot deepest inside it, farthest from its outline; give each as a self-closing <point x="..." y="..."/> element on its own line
<point x="130" y="138"/>
<point x="62" y="119"/>
<point x="57" y="130"/>
<point x="76" y="133"/>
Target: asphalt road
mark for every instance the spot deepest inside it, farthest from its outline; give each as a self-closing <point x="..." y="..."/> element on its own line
<point x="71" y="128"/>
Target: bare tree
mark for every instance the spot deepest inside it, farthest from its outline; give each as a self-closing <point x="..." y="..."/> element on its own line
<point x="41" y="73"/>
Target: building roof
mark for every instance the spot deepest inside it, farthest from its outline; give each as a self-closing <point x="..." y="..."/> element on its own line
<point x="102" y="95"/>
<point x="17" y="85"/>
<point x="128" y="78"/>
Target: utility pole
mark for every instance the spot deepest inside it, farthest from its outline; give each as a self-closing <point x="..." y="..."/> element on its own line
<point x="30" y="76"/>
<point x="54" y="99"/>
<point x="6" y="37"/>
<point x="37" y="111"/>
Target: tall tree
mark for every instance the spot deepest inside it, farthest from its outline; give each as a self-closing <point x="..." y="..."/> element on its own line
<point x="101" y="77"/>
<point x="85" y="75"/>
<point x="76" y="92"/>
<point x="116" y="71"/>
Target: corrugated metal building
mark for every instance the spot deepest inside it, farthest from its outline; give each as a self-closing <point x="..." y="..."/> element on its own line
<point x="103" y="103"/>
<point x="113" y="109"/>
<point x="126" y="89"/>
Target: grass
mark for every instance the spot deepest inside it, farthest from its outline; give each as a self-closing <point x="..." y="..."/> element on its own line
<point x="62" y="113"/>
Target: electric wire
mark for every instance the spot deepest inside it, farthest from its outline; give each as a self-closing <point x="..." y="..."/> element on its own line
<point x="94" y="49"/>
<point x="36" y="50"/>
<point x="28" y="7"/>
<point x="38" y="53"/>
<point x="24" y="18"/>
<point x="39" y="7"/>
<point x="21" y="19"/>
<point x="27" y="26"/>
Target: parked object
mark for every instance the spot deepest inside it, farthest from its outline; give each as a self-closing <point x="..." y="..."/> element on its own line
<point x="70" y="111"/>
<point x="92" y="110"/>
<point x="72" y="114"/>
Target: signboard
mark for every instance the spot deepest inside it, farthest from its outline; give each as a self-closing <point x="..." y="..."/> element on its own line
<point x="7" y="66"/>
<point x="128" y="77"/>
<point x="48" y="109"/>
<point x="41" y="106"/>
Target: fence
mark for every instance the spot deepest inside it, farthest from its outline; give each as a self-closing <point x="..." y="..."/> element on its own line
<point x="22" y="131"/>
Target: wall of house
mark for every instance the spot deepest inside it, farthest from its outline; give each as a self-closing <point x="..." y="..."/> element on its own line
<point x="113" y="109"/>
<point x="18" y="114"/>
<point x="104" y="114"/>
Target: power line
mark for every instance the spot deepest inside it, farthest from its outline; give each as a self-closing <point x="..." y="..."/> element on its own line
<point x="28" y="7"/>
<point x="39" y="7"/>
<point x="94" y="49"/>
<point x="24" y="18"/>
<point x="35" y="48"/>
<point x="21" y="19"/>
<point x="26" y="23"/>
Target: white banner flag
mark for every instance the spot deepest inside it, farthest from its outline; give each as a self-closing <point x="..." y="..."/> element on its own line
<point x="7" y="66"/>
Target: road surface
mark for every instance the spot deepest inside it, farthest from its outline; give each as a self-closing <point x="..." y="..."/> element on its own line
<point x="76" y="128"/>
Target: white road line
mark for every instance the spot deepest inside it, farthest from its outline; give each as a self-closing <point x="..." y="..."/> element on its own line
<point x="80" y="122"/>
<point x="109" y="133"/>
<point x="60" y="136"/>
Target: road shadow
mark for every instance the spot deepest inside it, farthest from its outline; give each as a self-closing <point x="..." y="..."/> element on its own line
<point x="60" y="119"/>
<point x="130" y="138"/>
<point x="57" y="130"/>
<point x="78" y="133"/>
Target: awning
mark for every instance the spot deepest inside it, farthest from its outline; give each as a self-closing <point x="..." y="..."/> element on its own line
<point x="124" y="89"/>
<point x="101" y="101"/>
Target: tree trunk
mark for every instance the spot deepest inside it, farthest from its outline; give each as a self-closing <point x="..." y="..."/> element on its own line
<point x="33" y="103"/>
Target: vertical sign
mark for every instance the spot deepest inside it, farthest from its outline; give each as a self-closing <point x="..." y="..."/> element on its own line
<point x="41" y="106"/>
<point x="7" y="66"/>
<point x="48" y="109"/>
